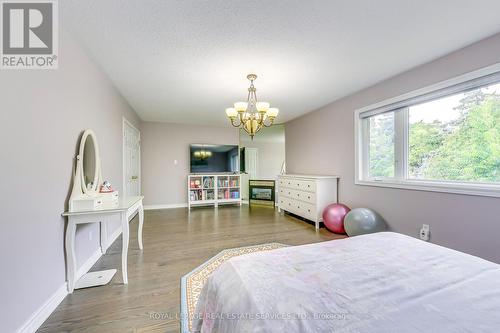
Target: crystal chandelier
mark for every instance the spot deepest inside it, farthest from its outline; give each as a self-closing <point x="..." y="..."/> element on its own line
<point x="252" y="115"/>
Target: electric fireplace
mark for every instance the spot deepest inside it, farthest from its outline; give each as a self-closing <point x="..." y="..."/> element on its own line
<point x="262" y="192"/>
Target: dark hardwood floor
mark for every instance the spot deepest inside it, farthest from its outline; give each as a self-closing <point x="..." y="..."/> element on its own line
<point x="175" y="242"/>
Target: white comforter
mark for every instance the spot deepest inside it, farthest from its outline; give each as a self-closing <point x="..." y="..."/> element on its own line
<point x="383" y="282"/>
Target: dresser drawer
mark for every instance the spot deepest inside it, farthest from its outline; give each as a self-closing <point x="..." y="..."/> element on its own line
<point x="286" y="204"/>
<point x="286" y="192"/>
<point x="289" y="183"/>
<point x="307" y="185"/>
<point x="299" y="195"/>
<point x="305" y="209"/>
<point x="309" y="197"/>
<point x="300" y="208"/>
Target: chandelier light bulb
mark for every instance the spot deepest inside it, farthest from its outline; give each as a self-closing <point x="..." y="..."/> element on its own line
<point x="273" y="112"/>
<point x="231" y="112"/>
<point x="262" y="106"/>
<point x="241" y="106"/>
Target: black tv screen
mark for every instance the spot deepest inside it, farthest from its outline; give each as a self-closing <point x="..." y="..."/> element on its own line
<point x="205" y="158"/>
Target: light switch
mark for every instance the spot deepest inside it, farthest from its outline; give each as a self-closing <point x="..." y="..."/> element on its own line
<point x="176" y="162"/>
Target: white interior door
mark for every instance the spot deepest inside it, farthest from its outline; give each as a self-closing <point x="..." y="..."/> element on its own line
<point x="131" y="160"/>
<point x="252" y="162"/>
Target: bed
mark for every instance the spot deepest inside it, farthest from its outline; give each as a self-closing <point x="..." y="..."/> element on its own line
<point x="383" y="282"/>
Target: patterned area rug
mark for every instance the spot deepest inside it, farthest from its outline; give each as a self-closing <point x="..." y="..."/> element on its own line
<point x="193" y="282"/>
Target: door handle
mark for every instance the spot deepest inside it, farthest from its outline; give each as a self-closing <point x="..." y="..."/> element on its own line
<point x="135" y="177"/>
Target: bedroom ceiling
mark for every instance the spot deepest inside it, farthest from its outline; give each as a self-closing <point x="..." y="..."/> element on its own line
<point x="186" y="61"/>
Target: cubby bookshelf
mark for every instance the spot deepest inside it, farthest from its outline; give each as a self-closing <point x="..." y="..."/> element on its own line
<point x="204" y="190"/>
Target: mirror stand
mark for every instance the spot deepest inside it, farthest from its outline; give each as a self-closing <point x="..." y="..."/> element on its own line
<point x="78" y="199"/>
<point x="87" y="177"/>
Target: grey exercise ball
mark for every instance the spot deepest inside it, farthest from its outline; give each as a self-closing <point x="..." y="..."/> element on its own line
<point x="360" y="221"/>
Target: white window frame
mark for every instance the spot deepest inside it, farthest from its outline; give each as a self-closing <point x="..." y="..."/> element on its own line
<point x="401" y="180"/>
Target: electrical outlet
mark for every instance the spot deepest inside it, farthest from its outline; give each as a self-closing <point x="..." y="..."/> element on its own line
<point x="425" y="232"/>
<point x="176" y="162"/>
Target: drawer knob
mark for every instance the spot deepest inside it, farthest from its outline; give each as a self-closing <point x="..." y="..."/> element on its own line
<point x="308" y="210"/>
<point x="308" y="197"/>
<point x="289" y="204"/>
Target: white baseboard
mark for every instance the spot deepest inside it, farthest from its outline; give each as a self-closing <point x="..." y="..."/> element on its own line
<point x="165" y="206"/>
<point x="246" y="202"/>
<point x="39" y="316"/>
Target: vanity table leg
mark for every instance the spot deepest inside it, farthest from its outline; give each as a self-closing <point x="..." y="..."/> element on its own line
<point x="141" y="223"/>
<point x="104" y="236"/>
<point x="125" y="236"/>
<point x="70" y="254"/>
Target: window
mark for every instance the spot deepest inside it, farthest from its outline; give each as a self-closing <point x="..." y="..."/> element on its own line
<point x="442" y="138"/>
<point x="381" y="145"/>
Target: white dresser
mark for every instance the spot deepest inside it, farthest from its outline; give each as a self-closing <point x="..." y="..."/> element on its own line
<point x="306" y="195"/>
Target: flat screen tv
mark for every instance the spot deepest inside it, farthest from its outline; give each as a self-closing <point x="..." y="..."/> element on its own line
<point x="205" y="158"/>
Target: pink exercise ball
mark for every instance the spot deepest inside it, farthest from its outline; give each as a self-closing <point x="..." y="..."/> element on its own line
<point x="333" y="217"/>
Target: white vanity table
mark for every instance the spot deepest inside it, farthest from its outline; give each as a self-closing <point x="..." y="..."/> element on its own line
<point x="93" y="201"/>
<point x="125" y="209"/>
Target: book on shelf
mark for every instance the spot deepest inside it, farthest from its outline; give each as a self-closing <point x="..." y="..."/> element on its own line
<point x="228" y="194"/>
<point x="223" y="182"/>
<point x="233" y="183"/>
<point x="208" y="182"/>
<point x="194" y="195"/>
<point x="208" y="195"/>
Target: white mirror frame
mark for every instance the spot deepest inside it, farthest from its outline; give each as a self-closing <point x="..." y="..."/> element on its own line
<point x="89" y="135"/>
<point x="79" y="189"/>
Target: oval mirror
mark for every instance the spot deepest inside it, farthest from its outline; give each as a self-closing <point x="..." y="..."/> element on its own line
<point x="89" y="155"/>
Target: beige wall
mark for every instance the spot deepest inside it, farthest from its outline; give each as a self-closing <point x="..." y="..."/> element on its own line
<point x="270" y="144"/>
<point x="163" y="181"/>
<point x="271" y="156"/>
<point x="467" y="223"/>
<point x="43" y="114"/>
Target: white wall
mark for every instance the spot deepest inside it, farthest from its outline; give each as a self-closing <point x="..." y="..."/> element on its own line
<point x="43" y="114"/>
<point x="163" y="181"/>
<point x="322" y="142"/>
